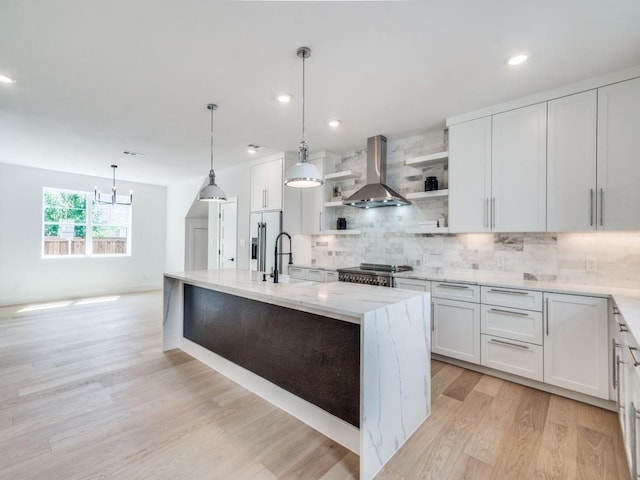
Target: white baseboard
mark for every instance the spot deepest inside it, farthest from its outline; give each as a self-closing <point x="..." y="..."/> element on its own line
<point x="79" y="293"/>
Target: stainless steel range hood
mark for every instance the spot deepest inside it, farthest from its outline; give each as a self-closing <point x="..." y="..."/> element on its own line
<point x="375" y="193"/>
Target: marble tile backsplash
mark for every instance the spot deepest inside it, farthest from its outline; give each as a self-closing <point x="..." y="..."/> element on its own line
<point x="532" y="256"/>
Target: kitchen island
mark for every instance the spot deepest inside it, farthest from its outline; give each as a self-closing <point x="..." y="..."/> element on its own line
<point x="350" y="360"/>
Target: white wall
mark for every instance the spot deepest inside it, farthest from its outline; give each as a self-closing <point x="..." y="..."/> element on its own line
<point x="27" y="277"/>
<point x="180" y="198"/>
<point x="234" y="182"/>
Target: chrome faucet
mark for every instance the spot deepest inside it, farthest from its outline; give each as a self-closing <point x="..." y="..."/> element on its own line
<point x="275" y="263"/>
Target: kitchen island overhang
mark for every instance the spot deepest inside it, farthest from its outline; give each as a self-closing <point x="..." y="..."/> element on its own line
<point x="390" y="327"/>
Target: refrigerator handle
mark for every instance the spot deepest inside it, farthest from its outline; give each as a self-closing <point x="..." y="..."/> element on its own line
<point x="263" y="248"/>
<point x="259" y="247"/>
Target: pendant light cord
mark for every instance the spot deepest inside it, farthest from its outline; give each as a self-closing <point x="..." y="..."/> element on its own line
<point x="211" y="139"/>
<point x="303" y="59"/>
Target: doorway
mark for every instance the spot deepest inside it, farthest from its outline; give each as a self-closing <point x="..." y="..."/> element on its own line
<point x="197" y="239"/>
<point x="227" y="231"/>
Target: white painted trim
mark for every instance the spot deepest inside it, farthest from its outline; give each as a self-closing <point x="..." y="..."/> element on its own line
<point x="191" y="224"/>
<point x="547" y="95"/>
<point x="338" y="430"/>
<point x="79" y="294"/>
<point x="218" y="232"/>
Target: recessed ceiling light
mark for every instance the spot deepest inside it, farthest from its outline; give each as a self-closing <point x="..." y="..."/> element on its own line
<point x="4" y="79"/>
<point x="517" y="60"/>
<point x="284" y="97"/>
<point x="334" y="123"/>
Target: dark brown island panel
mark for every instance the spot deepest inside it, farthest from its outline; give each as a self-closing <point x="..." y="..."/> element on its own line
<point x="314" y="357"/>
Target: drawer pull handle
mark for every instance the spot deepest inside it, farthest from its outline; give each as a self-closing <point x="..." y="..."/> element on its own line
<point x="448" y="285"/>
<point x="509" y="312"/>
<point x="633" y="356"/>
<point x="622" y="327"/>
<point x="509" y="292"/>
<point x="509" y="344"/>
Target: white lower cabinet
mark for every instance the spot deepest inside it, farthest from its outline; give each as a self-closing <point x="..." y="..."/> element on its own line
<point x="629" y="398"/>
<point x="512" y="323"/>
<point x="313" y="274"/>
<point x="512" y="356"/>
<point x="297" y="272"/>
<point x="456" y="329"/>
<point x="412" y="284"/>
<point x="576" y="343"/>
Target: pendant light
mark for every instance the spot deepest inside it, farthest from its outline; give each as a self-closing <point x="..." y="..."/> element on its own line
<point x="303" y="174"/>
<point x="112" y="199"/>
<point x="212" y="192"/>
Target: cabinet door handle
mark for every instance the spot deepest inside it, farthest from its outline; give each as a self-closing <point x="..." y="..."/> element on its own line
<point x="634" y="452"/>
<point x="510" y="312"/>
<point x="546" y="314"/>
<point x="614" y="370"/>
<point x="493" y="212"/>
<point x="319" y="221"/>
<point x="633" y="356"/>
<point x="448" y="285"/>
<point x="433" y="318"/>
<point x="508" y="344"/>
<point x="485" y="212"/>
<point x="618" y="363"/>
<point x="508" y="292"/>
<point x="602" y="207"/>
<point x="591" y="207"/>
<point x="266" y="198"/>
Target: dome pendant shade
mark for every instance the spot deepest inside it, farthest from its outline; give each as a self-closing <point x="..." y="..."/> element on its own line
<point x="212" y="192"/>
<point x="303" y="174"/>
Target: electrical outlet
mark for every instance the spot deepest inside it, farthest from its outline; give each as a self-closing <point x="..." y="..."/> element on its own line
<point x="591" y="265"/>
<point x="500" y="262"/>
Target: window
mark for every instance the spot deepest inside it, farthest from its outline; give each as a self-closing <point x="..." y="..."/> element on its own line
<point x="74" y="225"/>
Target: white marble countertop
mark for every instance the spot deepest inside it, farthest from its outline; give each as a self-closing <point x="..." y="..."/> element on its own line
<point x="627" y="299"/>
<point x="344" y="301"/>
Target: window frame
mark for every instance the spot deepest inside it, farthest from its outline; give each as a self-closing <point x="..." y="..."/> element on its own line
<point x="89" y="225"/>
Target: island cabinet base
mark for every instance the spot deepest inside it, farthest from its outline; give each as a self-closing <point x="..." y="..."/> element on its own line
<point x="336" y="356"/>
<point x="314" y="357"/>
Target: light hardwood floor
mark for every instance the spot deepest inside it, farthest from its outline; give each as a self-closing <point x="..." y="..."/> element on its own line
<point x="86" y="392"/>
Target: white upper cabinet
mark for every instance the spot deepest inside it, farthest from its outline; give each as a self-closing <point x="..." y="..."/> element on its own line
<point x="571" y="163"/>
<point x="497" y="169"/>
<point x="267" y="185"/>
<point x="470" y="176"/>
<point x="519" y="170"/>
<point x="619" y="156"/>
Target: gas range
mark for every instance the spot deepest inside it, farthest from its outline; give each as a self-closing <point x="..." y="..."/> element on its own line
<point x="371" y="274"/>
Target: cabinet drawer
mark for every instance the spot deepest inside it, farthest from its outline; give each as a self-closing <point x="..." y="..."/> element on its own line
<point x="299" y="273"/>
<point x="412" y="284"/>
<point x="315" y="275"/>
<point x="510" y="297"/>
<point x="330" y="276"/>
<point x="456" y="291"/>
<point x="511" y="356"/>
<point x="511" y="323"/>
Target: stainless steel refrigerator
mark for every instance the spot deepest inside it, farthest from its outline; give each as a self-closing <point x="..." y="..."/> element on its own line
<point x="263" y="231"/>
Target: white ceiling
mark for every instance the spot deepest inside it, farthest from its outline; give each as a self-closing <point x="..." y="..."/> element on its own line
<point x="98" y="77"/>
